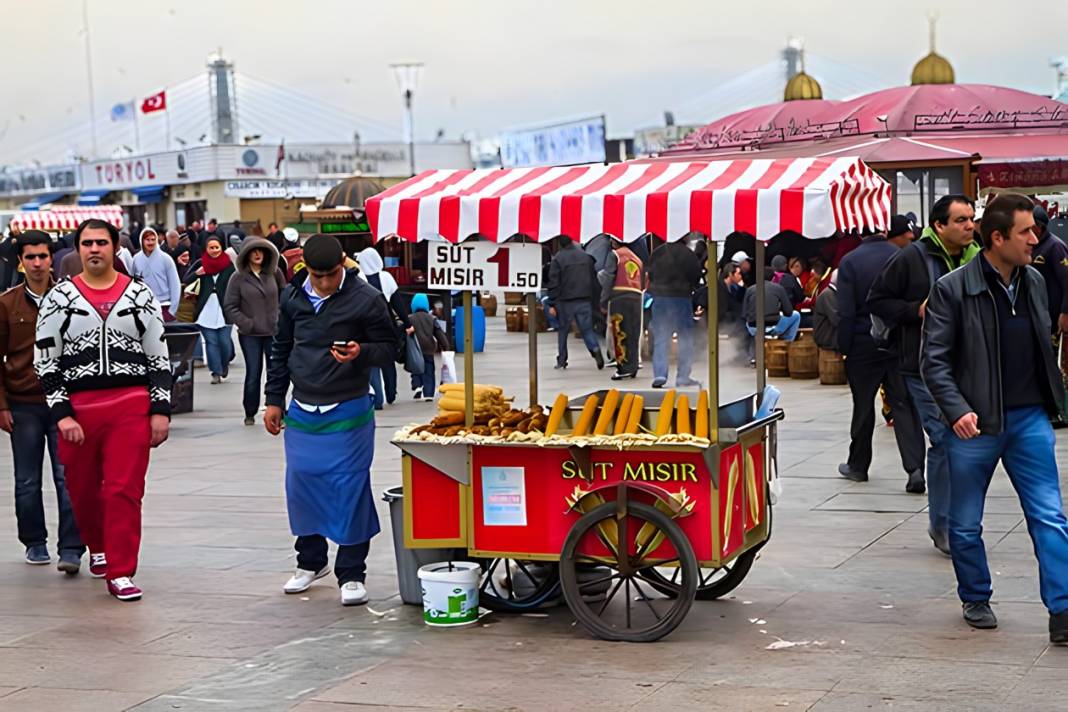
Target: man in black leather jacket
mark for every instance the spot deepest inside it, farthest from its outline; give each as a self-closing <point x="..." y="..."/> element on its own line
<point x="573" y="293"/>
<point x="988" y="363"/>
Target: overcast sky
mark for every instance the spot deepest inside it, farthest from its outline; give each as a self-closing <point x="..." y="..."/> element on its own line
<point x="494" y="64"/>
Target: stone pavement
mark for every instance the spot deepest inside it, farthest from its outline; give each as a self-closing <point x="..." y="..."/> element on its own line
<point x="849" y="575"/>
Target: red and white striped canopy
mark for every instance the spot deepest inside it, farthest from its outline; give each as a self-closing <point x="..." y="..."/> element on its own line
<point x="66" y="217"/>
<point x="763" y="197"/>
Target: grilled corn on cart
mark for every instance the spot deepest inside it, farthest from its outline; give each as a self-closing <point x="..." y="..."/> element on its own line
<point x="629" y="528"/>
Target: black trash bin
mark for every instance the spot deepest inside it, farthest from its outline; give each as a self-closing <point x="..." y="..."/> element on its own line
<point x="181" y="343"/>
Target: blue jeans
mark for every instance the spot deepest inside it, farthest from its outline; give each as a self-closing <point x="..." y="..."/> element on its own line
<point x="384" y="382"/>
<point x="672" y="315"/>
<point x="219" y="345"/>
<point x="33" y="431"/>
<point x="786" y="327"/>
<point x="937" y="462"/>
<point x="426" y="379"/>
<point x="1025" y="448"/>
<point x="551" y="320"/>
<point x="581" y="312"/>
<point x="255" y="349"/>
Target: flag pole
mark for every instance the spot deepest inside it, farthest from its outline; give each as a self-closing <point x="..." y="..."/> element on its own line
<point x="167" y="116"/>
<point x="137" y="127"/>
<point x="89" y="75"/>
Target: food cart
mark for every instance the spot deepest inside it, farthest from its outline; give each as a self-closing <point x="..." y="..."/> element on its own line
<point x="630" y="526"/>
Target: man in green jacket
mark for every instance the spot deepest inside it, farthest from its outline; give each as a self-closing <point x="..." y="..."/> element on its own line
<point x="899" y="297"/>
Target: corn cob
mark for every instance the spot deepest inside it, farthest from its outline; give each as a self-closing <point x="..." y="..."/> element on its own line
<point x="586" y="417"/>
<point x="667" y="409"/>
<point x="556" y="415"/>
<point x="682" y="417"/>
<point x="611" y="400"/>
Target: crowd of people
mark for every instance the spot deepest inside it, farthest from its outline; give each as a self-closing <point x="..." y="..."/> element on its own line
<point x="87" y="378"/>
<point x="957" y="326"/>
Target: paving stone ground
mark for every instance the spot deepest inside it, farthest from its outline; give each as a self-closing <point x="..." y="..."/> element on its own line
<point x="849" y="569"/>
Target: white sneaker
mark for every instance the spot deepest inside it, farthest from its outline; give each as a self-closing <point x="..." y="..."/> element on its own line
<point x="353" y="594"/>
<point x="302" y="580"/>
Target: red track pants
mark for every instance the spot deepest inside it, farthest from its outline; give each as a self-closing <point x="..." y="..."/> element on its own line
<point x="106" y="473"/>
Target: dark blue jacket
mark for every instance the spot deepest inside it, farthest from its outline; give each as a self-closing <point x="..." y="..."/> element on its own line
<point x="856" y="274"/>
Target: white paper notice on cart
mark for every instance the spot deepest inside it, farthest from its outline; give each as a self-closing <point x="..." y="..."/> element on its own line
<point x="504" y="497"/>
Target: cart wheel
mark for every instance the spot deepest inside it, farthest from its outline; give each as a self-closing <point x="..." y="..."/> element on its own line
<point x="514" y="586"/>
<point x="639" y="615"/>
<point x="713" y="583"/>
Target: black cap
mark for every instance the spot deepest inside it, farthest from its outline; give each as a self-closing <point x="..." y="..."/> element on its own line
<point x="323" y="253"/>
<point x="899" y="225"/>
<point x="1041" y="216"/>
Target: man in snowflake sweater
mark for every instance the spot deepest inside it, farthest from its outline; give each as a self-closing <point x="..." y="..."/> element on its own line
<point x="105" y="371"/>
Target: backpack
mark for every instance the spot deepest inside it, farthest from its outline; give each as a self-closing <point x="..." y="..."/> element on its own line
<point x="882" y="330"/>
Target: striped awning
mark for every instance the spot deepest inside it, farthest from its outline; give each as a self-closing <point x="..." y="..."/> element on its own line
<point x="812" y="196"/>
<point x="67" y="217"/>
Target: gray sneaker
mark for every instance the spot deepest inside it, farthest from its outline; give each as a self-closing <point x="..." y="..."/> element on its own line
<point x="978" y="614"/>
<point x="37" y="555"/>
<point x="70" y="562"/>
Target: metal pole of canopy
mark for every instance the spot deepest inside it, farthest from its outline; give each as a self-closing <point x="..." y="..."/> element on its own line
<point x="532" y="346"/>
<point x="712" y="284"/>
<point x="469" y="362"/>
<point x="761" y="374"/>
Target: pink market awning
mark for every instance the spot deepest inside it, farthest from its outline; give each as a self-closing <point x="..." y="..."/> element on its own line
<point x="66" y="218"/>
<point x="772" y="123"/>
<point x="812" y="196"/>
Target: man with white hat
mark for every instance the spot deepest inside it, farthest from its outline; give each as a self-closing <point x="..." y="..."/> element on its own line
<point x="744" y="261"/>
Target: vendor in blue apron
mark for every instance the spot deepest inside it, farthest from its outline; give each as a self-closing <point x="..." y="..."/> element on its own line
<point x="333" y="328"/>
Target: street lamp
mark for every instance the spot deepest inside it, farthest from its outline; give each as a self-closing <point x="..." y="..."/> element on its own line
<point x="407" y="76"/>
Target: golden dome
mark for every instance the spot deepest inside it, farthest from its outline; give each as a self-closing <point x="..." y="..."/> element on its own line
<point x="802" y="86"/>
<point x="933" y="69"/>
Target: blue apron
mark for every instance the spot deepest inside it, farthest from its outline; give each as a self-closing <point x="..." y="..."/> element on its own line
<point x="328" y="472"/>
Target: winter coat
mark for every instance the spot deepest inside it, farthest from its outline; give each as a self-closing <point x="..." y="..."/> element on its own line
<point x="251" y="300"/>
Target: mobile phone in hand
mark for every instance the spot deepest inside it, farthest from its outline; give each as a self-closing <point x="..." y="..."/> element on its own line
<point x="339" y="345"/>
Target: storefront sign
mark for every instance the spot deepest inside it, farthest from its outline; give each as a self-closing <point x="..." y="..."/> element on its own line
<point x="40" y="180"/>
<point x="373" y="159"/>
<point x="485" y="265"/>
<point x="278" y="188"/>
<point x="1024" y="174"/>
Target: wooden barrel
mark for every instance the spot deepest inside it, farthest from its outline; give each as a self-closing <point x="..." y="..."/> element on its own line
<point x="832" y="368"/>
<point x="776" y="357"/>
<point x="512" y="319"/>
<point x="489" y="304"/>
<point x="803" y="357"/>
<point x="514" y="298"/>
<point x="523" y="319"/>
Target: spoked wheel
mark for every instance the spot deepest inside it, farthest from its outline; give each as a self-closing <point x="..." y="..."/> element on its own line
<point x="713" y="583"/>
<point x="629" y="609"/>
<point x="514" y="586"/>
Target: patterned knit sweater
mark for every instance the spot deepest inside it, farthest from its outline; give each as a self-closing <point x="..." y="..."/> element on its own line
<point x="77" y="350"/>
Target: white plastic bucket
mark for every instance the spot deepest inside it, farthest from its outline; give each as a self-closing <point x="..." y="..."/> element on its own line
<point x="450" y="592"/>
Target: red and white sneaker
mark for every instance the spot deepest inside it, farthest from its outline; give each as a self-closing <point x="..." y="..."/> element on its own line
<point x="98" y="565"/>
<point x="124" y="589"/>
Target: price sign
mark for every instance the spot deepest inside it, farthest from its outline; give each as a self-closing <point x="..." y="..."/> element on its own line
<point x="485" y="266"/>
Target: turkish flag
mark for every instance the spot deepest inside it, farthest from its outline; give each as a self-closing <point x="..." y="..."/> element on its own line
<point x="156" y="102"/>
